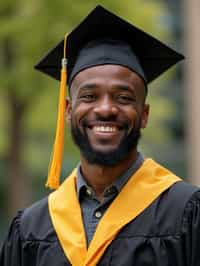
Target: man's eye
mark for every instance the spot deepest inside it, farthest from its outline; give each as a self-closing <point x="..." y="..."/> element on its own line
<point x="87" y="97"/>
<point x="125" y="99"/>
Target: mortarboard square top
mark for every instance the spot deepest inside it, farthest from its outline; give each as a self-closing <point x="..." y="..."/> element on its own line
<point x="150" y="57"/>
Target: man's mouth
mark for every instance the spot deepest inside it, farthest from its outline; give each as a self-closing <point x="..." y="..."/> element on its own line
<point x="101" y="127"/>
<point x="105" y="129"/>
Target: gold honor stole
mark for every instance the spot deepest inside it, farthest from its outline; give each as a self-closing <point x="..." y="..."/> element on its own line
<point x="137" y="194"/>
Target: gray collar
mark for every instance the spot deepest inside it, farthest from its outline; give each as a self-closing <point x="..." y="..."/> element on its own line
<point x="119" y="182"/>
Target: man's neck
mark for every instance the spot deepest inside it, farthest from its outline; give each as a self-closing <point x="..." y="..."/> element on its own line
<point x="100" y="177"/>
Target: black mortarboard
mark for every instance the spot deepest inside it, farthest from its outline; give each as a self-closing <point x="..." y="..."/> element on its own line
<point x="150" y="57"/>
<point x="101" y="38"/>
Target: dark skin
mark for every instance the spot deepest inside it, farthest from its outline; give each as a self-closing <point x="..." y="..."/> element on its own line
<point x="107" y="91"/>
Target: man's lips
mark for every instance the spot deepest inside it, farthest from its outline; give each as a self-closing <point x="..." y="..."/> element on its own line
<point x="105" y="129"/>
<point x="105" y="126"/>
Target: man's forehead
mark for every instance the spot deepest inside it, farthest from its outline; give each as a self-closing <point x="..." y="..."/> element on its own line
<point x="108" y="76"/>
<point x="107" y="72"/>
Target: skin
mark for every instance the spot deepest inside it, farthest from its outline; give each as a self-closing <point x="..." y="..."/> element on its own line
<point x="107" y="91"/>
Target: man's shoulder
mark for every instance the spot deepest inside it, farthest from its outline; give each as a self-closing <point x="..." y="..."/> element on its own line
<point x="35" y="211"/>
<point x="181" y="191"/>
<point x="174" y="202"/>
<point x="35" y="221"/>
<point x="166" y="214"/>
<point x="182" y="194"/>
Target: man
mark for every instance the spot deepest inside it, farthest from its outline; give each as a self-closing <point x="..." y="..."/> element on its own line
<point x="116" y="208"/>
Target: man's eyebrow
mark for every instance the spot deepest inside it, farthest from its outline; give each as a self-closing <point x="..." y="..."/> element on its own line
<point x="88" y="86"/>
<point x="125" y="87"/>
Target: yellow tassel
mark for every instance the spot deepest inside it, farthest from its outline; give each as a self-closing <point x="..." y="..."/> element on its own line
<point x="53" y="179"/>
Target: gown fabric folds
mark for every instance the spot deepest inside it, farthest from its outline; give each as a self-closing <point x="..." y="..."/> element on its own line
<point x="167" y="233"/>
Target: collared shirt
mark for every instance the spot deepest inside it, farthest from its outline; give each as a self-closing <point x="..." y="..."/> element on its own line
<point x="92" y="209"/>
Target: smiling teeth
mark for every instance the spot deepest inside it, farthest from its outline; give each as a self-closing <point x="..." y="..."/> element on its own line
<point x="105" y="129"/>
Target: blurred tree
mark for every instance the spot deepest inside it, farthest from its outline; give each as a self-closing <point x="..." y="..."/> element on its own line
<point x="28" y="100"/>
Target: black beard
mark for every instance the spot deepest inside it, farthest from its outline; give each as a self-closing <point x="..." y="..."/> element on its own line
<point x="127" y="144"/>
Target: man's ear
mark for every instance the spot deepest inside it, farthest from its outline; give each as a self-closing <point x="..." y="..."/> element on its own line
<point x="145" y="115"/>
<point x="68" y="110"/>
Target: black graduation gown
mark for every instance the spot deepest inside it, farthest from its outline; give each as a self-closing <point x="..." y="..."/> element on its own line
<point x="167" y="233"/>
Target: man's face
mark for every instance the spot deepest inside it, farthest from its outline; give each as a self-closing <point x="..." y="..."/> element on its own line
<point x="106" y="112"/>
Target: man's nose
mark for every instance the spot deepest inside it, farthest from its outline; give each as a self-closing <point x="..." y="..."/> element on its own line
<point x="106" y="108"/>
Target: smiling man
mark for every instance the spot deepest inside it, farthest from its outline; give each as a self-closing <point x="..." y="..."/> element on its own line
<point x="108" y="104"/>
<point x="116" y="207"/>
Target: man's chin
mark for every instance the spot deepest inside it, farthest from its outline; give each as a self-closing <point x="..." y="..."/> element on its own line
<point x="105" y="150"/>
<point x="105" y="157"/>
<point x="102" y="158"/>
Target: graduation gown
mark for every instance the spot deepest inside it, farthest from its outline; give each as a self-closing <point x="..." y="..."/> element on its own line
<point x="165" y="233"/>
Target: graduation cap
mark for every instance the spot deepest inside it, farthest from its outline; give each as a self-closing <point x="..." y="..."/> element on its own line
<point x="101" y="38"/>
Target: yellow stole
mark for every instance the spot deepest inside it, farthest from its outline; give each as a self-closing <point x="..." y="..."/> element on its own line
<point x="137" y="194"/>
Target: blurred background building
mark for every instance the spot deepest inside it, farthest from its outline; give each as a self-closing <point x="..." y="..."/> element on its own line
<point x="28" y="100"/>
